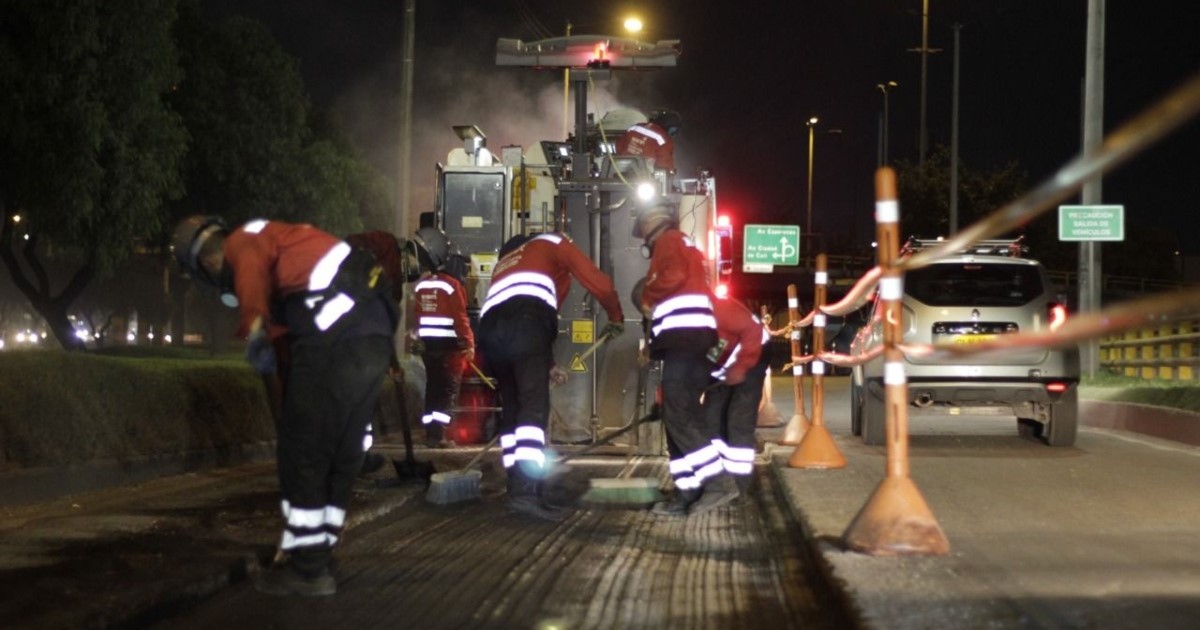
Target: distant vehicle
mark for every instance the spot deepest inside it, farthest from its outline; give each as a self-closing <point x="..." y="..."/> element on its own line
<point x="975" y="296"/>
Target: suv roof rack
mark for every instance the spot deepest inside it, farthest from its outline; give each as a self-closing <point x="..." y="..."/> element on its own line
<point x="1011" y="247"/>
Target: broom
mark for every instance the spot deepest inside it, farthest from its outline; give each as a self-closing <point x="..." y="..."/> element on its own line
<point x="458" y="485"/>
<point x="621" y="490"/>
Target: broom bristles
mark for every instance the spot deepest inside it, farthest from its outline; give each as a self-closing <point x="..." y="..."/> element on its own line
<point x="454" y="487"/>
<point x="622" y="492"/>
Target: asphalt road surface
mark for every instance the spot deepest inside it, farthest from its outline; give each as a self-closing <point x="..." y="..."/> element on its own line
<point x="479" y="565"/>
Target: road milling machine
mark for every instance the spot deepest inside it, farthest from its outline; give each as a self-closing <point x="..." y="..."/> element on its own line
<point x="579" y="187"/>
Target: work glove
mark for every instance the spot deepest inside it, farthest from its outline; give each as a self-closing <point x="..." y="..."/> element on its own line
<point x="558" y="376"/>
<point x="260" y="354"/>
<point x="613" y="330"/>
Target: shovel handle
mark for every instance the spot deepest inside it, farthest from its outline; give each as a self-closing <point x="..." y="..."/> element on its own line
<point x="650" y="417"/>
<point x="594" y="347"/>
<point x="486" y="379"/>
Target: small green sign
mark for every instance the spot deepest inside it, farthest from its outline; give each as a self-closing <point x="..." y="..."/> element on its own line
<point x="1091" y="223"/>
<point x="764" y="246"/>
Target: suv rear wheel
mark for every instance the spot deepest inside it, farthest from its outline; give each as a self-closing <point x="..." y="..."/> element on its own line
<point x="1064" y="420"/>
<point x="1061" y="425"/>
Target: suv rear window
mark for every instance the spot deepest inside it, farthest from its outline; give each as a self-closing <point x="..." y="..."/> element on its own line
<point x="974" y="284"/>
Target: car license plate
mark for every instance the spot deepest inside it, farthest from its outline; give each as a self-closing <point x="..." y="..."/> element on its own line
<point x="973" y="338"/>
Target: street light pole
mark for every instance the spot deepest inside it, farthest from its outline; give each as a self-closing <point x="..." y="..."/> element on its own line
<point x="812" y="125"/>
<point x="885" y="88"/>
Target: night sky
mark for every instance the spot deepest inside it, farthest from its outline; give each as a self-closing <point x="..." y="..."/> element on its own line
<point x="749" y="77"/>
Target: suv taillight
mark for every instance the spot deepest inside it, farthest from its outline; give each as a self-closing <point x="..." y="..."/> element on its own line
<point x="1056" y="314"/>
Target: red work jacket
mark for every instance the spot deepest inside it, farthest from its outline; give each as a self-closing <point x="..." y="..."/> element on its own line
<point x="650" y="141"/>
<point x="441" y="309"/>
<point x="676" y="290"/>
<point x="272" y="260"/>
<point x="740" y="338"/>
<point x="542" y="268"/>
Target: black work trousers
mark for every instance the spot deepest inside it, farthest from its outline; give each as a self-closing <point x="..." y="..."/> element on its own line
<point x="685" y="374"/>
<point x="332" y="387"/>
<point x="731" y="414"/>
<point x="517" y="340"/>
<point x="444" y="365"/>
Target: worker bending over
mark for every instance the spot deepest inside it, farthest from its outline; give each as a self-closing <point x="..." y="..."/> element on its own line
<point x="740" y="360"/>
<point x="331" y="302"/>
<point x="518" y="325"/>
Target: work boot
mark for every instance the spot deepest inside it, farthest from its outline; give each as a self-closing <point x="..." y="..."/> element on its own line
<point x="372" y="462"/>
<point x="435" y="436"/>
<point x="677" y="505"/>
<point x="718" y="492"/>
<point x="524" y="496"/>
<point x="282" y="578"/>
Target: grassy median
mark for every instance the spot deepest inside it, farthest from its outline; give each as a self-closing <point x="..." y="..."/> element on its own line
<point x="68" y="408"/>
<point x="1174" y="394"/>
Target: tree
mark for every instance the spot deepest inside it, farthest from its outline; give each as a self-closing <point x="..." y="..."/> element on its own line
<point x="924" y="191"/>
<point x="89" y="150"/>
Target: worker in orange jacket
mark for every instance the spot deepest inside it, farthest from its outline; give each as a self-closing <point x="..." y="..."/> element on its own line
<point x="517" y="328"/>
<point x="447" y="343"/>
<point x="331" y="302"/>
<point x="682" y="329"/>
<point x="653" y="140"/>
<point x="740" y="360"/>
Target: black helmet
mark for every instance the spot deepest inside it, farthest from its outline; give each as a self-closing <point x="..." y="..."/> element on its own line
<point x="195" y="238"/>
<point x="433" y="248"/>
<point x="644" y="213"/>
<point x="667" y="119"/>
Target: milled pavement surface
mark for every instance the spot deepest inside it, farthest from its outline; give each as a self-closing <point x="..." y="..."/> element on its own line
<point x="1102" y="535"/>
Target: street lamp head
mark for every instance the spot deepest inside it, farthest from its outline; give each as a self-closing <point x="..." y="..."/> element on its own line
<point x="633" y="24"/>
<point x="812" y="121"/>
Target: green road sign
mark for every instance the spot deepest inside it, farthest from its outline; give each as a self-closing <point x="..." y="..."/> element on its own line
<point x="764" y="246"/>
<point x="1091" y="223"/>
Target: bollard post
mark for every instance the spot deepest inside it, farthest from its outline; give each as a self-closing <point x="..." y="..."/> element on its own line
<point x="798" y="425"/>
<point x="896" y="520"/>
<point x="768" y="414"/>
<point x="816" y="449"/>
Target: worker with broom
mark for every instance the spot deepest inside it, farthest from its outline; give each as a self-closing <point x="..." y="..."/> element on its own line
<point x="518" y="325"/>
<point x="332" y="302"/>
<point x="740" y="360"/>
<point x="682" y="329"/>
<point x="447" y="344"/>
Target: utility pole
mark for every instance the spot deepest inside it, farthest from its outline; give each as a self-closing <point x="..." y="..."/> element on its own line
<point x="924" y="50"/>
<point x="1090" y="278"/>
<point x="954" y="138"/>
<point x="403" y="175"/>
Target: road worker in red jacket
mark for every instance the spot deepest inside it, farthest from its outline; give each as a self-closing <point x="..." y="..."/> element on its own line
<point x="653" y="140"/>
<point x="682" y="330"/>
<point x="331" y="301"/>
<point x="740" y="360"/>
<point x="444" y="329"/>
<point x="518" y="325"/>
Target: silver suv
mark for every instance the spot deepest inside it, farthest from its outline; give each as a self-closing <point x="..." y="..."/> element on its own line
<point x="975" y="296"/>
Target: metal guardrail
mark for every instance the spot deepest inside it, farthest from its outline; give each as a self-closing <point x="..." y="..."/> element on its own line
<point x="1169" y="352"/>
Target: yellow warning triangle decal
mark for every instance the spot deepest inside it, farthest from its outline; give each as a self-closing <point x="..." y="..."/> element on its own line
<point x="577" y="365"/>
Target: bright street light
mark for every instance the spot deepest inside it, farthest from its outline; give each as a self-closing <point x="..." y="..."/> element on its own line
<point x="633" y="24"/>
